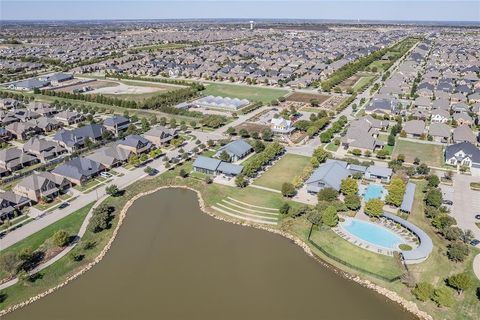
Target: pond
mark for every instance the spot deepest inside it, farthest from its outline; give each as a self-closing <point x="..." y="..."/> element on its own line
<point x="171" y="261"/>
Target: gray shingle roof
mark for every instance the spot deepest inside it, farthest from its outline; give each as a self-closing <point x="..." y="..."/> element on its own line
<point x="407" y="202"/>
<point x="331" y="173"/>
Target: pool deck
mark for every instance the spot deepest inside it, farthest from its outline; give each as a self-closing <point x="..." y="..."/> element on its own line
<point x="339" y="230"/>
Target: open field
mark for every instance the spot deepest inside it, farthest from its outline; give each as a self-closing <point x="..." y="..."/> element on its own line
<point x="362" y="82"/>
<point x="97" y="84"/>
<point x="307" y="97"/>
<point x="283" y="171"/>
<point x="349" y="82"/>
<point x="251" y="127"/>
<point x="251" y="93"/>
<point x="431" y="154"/>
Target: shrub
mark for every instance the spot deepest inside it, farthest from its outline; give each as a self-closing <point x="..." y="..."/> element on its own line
<point x="374" y="207"/>
<point x="443" y="297"/>
<point x="284" y="209"/>
<point x="327" y="194"/>
<point x="330" y="216"/>
<point x="112" y="190"/>
<point x="349" y="186"/>
<point x="60" y="238"/>
<point x="457" y="251"/>
<point x="352" y="201"/>
<point x="423" y="291"/>
<point x="460" y="281"/>
<point x="182" y="173"/>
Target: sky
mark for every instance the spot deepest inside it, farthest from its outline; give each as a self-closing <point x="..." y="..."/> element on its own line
<point x="393" y="10"/>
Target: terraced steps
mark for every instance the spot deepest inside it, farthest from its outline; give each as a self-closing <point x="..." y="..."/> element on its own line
<point x="248" y="212"/>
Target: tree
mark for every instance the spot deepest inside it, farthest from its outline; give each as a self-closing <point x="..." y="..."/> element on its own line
<point x="434" y="198"/>
<point x="231" y="131"/>
<point x="244" y="133"/>
<point x="349" y="186"/>
<point x="423" y="169"/>
<point x="382" y="154"/>
<point x="321" y="155"/>
<point x="60" y="238"/>
<point x="132" y="129"/>
<point x="327" y="194"/>
<point x="267" y="134"/>
<point x="134" y="161"/>
<point x="285" y="208"/>
<point x="416" y="161"/>
<point x="443" y="297"/>
<point x="423" y="291"/>
<point x="330" y="216"/>
<point x="460" y="281"/>
<point x="374" y="207"/>
<point x="391" y="140"/>
<point x="100" y="219"/>
<point x="458" y="251"/>
<point x="112" y="190"/>
<point x="452" y="233"/>
<point x="9" y="262"/>
<point x="288" y="190"/>
<point x="182" y="173"/>
<point x="433" y="181"/>
<point x="240" y="181"/>
<point x="224" y="156"/>
<point x="396" y="190"/>
<point x="352" y="201"/>
<point x="258" y="146"/>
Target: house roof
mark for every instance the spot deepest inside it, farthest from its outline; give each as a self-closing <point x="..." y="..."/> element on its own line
<point x="414" y="127"/>
<point x="407" y="202"/>
<point x="115" y="121"/>
<point x="331" y="173"/>
<point x="439" y="130"/>
<point x="79" y="168"/>
<point x="463" y="133"/>
<point x="206" y="163"/>
<point x="379" y="171"/>
<point x="468" y="148"/>
<point x="237" y="148"/>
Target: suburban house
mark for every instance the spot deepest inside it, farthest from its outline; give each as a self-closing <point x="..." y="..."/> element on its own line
<point x="440" y="132"/>
<point x="42" y="185"/>
<point x="160" y="136"/>
<point x="381" y="173"/>
<point x="10" y="204"/>
<point x="213" y="166"/>
<point x="382" y="106"/>
<point x="75" y="139"/>
<point x="23" y="130"/>
<point x="327" y="175"/>
<point x="79" y="170"/>
<point x="281" y="126"/>
<point x="43" y="149"/>
<point x="46" y="124"/>
<point x="414" y="128"/>
<point x="463" y="118"/>
<point x="236" y="150"/>
<point x="440" y="116"/>
<point x="135" y="143"/>
<point x="69" y="117"/>
<point x="116" y="124"/>
<point x="14" y="159"/>
<point x="464" y="154"/>
<point x="110" y="157"/>
<point x="463" y="133"/>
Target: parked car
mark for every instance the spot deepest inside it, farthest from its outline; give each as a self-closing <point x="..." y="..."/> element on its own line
<point x="475" y="242"/>
<point x="63" y="205"/>
<point x="448" y="202"/>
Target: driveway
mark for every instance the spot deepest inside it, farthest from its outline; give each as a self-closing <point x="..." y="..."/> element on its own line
<point x="466" y="203"/>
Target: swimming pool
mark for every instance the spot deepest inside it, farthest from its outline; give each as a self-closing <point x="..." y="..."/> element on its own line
<point x="374" y="191"/>
<point x="372" y="233"/>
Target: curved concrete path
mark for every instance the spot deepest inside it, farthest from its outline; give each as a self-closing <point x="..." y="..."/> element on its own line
<point x="476" y="266"/>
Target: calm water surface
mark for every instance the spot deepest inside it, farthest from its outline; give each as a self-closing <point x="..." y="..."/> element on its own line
<point x="170" y="261"/>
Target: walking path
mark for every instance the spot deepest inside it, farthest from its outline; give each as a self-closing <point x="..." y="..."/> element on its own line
<point x="476" y="266"/>
<point x="265" y="188"/>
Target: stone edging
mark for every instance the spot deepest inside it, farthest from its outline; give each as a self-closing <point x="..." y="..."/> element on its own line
<point x="407" y="305"/>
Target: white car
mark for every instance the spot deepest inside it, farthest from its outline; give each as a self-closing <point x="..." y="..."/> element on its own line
<point x="105" y="174"/>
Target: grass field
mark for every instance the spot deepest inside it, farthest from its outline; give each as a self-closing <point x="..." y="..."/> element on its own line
<point x="70" y="223"/>
<point x="251" y="93"/>
<point x="283" y="171"/>
<point x="361" y="82"/>
<point x="431" y="154"/>
<point x="381" y="265"/>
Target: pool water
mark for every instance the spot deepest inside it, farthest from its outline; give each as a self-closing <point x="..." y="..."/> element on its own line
<point x="374" y="191"/>
<point x="372" y="233"/>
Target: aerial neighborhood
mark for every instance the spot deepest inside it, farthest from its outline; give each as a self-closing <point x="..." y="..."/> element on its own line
<point x="362" y="141"/>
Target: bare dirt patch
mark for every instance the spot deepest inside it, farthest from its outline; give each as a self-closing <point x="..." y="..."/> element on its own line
<point x="304" y="97"/>
<point x="96" y="84"/>
<point x="251" y="127"/>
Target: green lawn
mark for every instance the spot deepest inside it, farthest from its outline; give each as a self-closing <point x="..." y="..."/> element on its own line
<point x="284" y="170"/>
<point x="251" y="93"/>
<point x="332" y="147"/>
<point x="363" y="81"/>
<point x="379" y="264"/>
<point x="384" y="138"/>
<point x="70" y="223"/>
<point x="431" y="154"/>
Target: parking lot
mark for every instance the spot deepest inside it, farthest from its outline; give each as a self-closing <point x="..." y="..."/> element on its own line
<point x="466" y="202"/>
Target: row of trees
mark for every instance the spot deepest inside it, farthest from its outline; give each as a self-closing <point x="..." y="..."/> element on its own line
<point x="336" y="127"/>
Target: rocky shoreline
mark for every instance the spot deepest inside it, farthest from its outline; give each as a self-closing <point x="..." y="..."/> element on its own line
<point x="407" y="305"/>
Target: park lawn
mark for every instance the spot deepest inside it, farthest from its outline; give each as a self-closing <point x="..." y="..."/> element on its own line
<point x="361" y="82"/>
<point x="251" y="93"/>
<point x="379" y="264"/>
<point x="282" y="171"/>
<point x="70" y="223"/>
<point x="431" y="154"/>
<point x="379" y="64"/>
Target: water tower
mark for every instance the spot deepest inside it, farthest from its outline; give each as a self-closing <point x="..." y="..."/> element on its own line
<point x="251" y="24"/>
